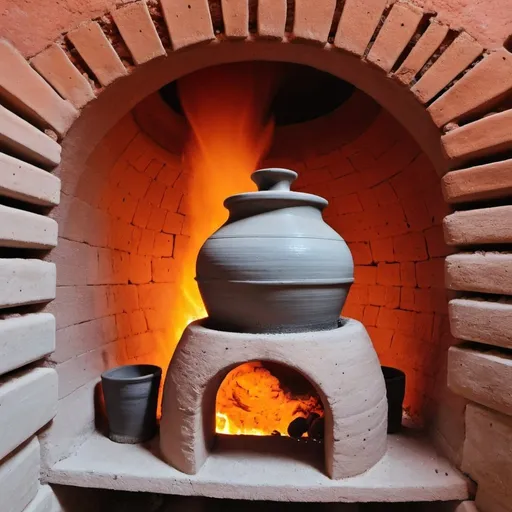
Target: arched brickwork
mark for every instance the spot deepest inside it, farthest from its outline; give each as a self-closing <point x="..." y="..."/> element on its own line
<point x="442" y="85"/>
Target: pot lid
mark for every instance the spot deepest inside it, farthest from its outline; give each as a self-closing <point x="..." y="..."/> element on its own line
<point x="273" y="193"/>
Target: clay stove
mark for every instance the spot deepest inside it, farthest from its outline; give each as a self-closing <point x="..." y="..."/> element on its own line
<point x="289" y="321"/>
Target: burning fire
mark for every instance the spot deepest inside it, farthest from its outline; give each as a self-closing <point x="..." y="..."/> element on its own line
<point x="227" y="108"/>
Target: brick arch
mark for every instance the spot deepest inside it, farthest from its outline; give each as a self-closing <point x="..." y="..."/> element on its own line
<point x="444" y="87"/>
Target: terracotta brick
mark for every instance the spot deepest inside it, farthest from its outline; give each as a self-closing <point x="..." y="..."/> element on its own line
<point x="358" y="294"/>
<point x="361" y="253"/>
<point x="54" y="65"/>
<point x="135" y="183"/>
<point x="365" y="274"/>
<point x="188" y="22"/>
<point x="355" y="311"/>
<point x="376" y="295"/>
<point x="363" y="160"/>
<point x="142" y="214"/>
<point x="121" y="266"/>
<point x="428" y="43"/>
<point x="164" y="270"/>
<point x="156" y="219"/>
<point x="492" y="134"/>
<point x="313" y="19"/>
<point x="271" y="18"/>
<point x="358" y="22"/>
<point x="136" y="238"/>
<point x="171" y="199"/>
<point x="94" y="47"/>
<point x="346" y="204"/>
<point x="140" y="269"/>
<point x="410" y="247"/>
<point x="173" y="223"/>
<point x="235" y="14"/>
<point x="387" y="319"/>
<point x="120" y="235"/>
<point x="155" y="193"/>
<point x="385" y="194"/>
<point x="423" y="323"/>
<point x="395" y="34"/>
<point x="484" y="272"/>
<point x="342" y="167"/>
<point x="29" y="95"/>
<point x="488" y="181"/>
<point x="156" y="320"/>
<point x="407" y="299"/>
<point x="453" y="61"/>
<point x="370" y="315"/>
<point x="423" y="300"/>
<point x="126" y="297"/>
<point x="430" y="273"/>
<point x="482" y="226"/>
<point x="123" y="207"/>
<point x="123" y="325"/>
<point x="479" y="89"/>
<point x="138" y="32"/>
<point x="388" y="274"/>
<point x="392" y="297"/>
<point x="381" y="338"/>
<point x="154" y="169"/>
<point x="164" y="245"/>
<point x="408" y="273"/>
<point x="416" y="213"/>
<point x="147" y="242"/>
<point x="138" y="322"/>
<point x="382" y="250"/>
<point x="406" y="321"/>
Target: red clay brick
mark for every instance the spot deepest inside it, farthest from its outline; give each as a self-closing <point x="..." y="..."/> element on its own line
<point x="370" y="315"/>
<point x="138" y="322"/>
<point x="341" y="168"/>
<point x="173" y="223"/>
<point x="410" y="247"/>
<point x="406" y="321"/>
<point x="136" y="237"/>
<point x="368" y="198"/>
<point x="171" y="199"/>
<point x="416" y="213"/>
<point x="361" y="253"/>
<point x="140" y="269"/>
<point x="392" y="297"/>
<point x="365" y="274"/>
<point x="376" y="295"/>
<point x="430" y="273"/>
<point x="388" y="274"/>
<point x="408" y="273"/>
<point x="147" y="242"/>
<point x="155" y="193"/>
<point x="381" y="337"/>
<point x="164" y="270"/>
<point x="407" y="299"/>
<point x="142" y="214"/>
<point x="164" y="245"/>
<point x="123" y="207"/>
<point x="346" y="204"/>
<point x="166" y="174"/>
<point x="235" y="14"/>
<point x="423" y="300"/>
<point x="385" y="194"/>
<point x="388" y="318"/>
<point x="157" y="218"/>
<point x="358" y="294"/>
<point x="355" y="311"/>
<point x="123" y="325"/>
<point x="423" y="325"/>
<point x="313" y="19"/>
<point x="382" y="250"/>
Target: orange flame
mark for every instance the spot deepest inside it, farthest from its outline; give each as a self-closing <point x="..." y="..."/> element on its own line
<point x="227" y="107"/>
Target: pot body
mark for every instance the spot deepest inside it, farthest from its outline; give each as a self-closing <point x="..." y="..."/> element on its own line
<point x="131" y="396"/>
<point x="275" y="266"/>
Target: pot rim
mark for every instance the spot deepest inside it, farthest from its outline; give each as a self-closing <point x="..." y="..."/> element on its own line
<point x="300" y="283"/>
<point x="152" y="372"/>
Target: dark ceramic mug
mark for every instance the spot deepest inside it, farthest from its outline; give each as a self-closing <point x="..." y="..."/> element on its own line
<point x="395" y="390"/>
<point x="131" y="397"/>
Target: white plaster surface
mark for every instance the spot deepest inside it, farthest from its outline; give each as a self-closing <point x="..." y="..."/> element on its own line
<point x="19" y="228"/>
<point x="45" y="501"/>
<point x="24" y="339"/>
<point x="26" y="141"/>
<point x="26" y="282"/>
<point x="19" y="478"/>
<point x="28" y="400"/>
<point x="341" y="363"/>
<point x="487" y="456"/>
<point x="481" y="375"/>
<point x="26" y="182"/>
<point x="266" y="468"/>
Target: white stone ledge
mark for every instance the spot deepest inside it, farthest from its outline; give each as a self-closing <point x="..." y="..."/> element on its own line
<point x="26" y="282"/>
<point x="481" y="375"/>
<point x="411" y="470"/>
<point x="481" y="320"/>
<point x="28" y="401"/>
<point x="25" y="339"/>
<point x="28" y="183"/>
<point x="26" y="141"/>
<point x="19" y="478"/>
<point x="22" y="229"/>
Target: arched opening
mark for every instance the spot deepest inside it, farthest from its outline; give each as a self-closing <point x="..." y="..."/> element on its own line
<point x="262" y="398"/>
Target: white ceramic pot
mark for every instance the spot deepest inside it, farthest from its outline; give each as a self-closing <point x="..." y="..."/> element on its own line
<point x="275" y="265"/>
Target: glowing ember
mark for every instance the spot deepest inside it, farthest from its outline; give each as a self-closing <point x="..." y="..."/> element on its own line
<point x="227" y="110"/>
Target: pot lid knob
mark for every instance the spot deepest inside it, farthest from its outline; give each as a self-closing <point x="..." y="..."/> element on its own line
<point x="274" y="179"/>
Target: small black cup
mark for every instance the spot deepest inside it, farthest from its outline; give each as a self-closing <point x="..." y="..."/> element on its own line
<point x="131" y="397"/>
<point x="395" y="390"/>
